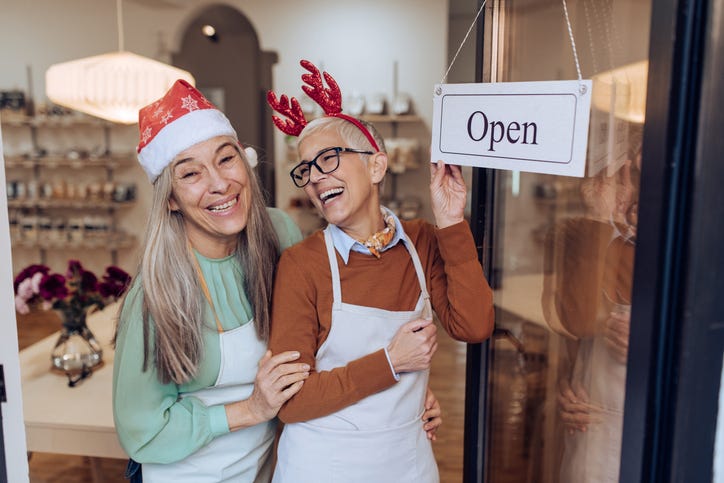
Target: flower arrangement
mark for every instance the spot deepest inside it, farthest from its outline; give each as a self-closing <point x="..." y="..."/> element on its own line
<point x="74" y="294"/>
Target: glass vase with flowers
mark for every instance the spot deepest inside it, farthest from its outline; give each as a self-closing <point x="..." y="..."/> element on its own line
<point x="73" y="297"/>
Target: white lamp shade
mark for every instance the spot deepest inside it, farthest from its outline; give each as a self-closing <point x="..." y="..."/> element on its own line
<point x="111" y="86"/>
<point x="623" y="90"/>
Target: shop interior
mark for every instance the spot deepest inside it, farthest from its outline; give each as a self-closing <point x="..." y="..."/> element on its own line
<point x="76" y="192"/>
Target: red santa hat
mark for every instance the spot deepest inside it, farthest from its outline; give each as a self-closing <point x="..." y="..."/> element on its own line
<point x="181" y="118"/>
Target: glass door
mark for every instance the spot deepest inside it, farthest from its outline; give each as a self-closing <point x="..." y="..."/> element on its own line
<point x="563" y="249"/>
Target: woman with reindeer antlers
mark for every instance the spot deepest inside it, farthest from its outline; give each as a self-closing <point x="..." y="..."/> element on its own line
<point x="356" y="300"/>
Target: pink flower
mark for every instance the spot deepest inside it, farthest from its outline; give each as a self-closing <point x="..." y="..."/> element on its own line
<point x="38" y="288"/>
<point x="118" y="275"/>
<point x="35" y="282"/>
<point x="25" y="289"/>
<point x="28" y="272"/>
<point x="53" y="286"/>
<point x="74" y="268"/>
<point x="21" y="306"/>
<point x="88" y="281"/>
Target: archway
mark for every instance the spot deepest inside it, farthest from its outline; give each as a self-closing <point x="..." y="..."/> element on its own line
<point x="235" y="74"/>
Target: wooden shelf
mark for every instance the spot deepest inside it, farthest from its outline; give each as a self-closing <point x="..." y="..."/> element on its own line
<point x="69" y="204"/>
<point x="55" y="121"/>
<point x="112" y="161"/>
<point x="390" y="118"/>
<point x="114" y="242"/>
<point x="42" y="237"/>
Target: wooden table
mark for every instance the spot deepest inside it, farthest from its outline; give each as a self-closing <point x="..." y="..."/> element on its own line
<point x="521" y="295"/>
<point x="70" y="420"/>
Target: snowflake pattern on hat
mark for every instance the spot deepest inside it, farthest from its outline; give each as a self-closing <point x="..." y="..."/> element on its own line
<point x="181" y="118"/>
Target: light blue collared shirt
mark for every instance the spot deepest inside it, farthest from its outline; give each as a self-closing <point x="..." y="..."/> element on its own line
<point x="345" y="243"/>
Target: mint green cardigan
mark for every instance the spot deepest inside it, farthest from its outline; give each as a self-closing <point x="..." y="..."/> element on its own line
<point x="153" y="424"/>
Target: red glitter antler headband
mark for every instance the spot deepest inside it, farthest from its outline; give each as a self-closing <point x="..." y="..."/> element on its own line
<point x="329" y="98"/>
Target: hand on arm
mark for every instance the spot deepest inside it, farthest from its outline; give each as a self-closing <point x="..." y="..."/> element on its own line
<point x="447" y="194"/>
<point x="276" y="381"/>
<point x="616" y="333"/>
<point x="413" y="345"/>
<point x="432" y="417"/>
<point x="574" y="408"/>
<point x="296" y="325"/>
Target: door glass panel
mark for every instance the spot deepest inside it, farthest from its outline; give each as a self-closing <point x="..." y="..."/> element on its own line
<point x="564" y="250"/>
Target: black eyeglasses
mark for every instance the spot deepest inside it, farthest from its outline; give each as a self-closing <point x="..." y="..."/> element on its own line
<point x="326" y="161"/>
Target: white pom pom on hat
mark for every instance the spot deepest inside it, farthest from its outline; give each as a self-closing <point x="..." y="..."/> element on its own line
<point x="181" y="118"/>
<point x="251" y="156"/>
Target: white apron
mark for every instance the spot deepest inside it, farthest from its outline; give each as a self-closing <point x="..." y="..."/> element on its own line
<point x="379" y="439"/>
<point x="594" y="456"/>
<point x="242" y="456"/>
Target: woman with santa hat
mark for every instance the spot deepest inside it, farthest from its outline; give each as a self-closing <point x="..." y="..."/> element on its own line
<point x="195" y="391"/>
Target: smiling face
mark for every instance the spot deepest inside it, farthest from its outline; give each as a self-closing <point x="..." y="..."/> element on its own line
<point x="210" y="188"/>
<point x="349" y="196"/>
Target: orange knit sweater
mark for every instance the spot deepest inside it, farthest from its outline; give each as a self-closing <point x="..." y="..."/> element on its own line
<point x="302" y="306"/>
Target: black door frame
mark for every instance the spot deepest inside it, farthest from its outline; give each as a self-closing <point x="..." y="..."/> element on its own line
<point x="476" y="367"/>
<point x="677" y="330"/>
<point x="676" y="343"/>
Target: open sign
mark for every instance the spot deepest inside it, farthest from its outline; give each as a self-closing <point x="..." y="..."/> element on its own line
<point x="539" y="127"/>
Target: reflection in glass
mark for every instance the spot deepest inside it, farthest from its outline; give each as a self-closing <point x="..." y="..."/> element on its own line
<point x="564" y="253"/>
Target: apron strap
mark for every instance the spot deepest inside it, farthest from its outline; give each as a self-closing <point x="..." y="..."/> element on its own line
<point x="427" y="309"/>
<point x="332" y="255"/>
<point x="205" y="288"/>
<point x="336" y="284"/>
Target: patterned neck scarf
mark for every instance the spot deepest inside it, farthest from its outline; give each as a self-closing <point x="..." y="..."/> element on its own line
<point x="382" y="238"/>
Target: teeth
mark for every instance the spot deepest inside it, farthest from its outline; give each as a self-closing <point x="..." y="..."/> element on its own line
<point x="223" y="207"/>
<point x="327" y="194"/>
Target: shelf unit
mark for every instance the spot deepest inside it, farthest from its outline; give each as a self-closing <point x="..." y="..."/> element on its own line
<point x="394" y="121"/>
<point x="70" y="212"/>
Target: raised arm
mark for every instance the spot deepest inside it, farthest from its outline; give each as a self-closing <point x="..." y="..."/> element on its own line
<point x="459" y="291"/>
<point x="448" y="194"/>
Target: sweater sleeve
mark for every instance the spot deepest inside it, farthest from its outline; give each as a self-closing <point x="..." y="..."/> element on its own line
<point x="153" y="424"/>
<point x="459" y="292"/>
<point x="295" y="326"/>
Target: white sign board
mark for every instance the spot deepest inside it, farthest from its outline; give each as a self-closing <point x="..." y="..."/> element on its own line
<point x="537" y="127"/>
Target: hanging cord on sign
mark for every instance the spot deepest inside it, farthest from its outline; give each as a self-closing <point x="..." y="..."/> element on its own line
<point x="444" y="77"/>
<point x="573" y="42"/>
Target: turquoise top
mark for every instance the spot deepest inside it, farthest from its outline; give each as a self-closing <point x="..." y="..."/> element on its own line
<point x="153" y="424"/>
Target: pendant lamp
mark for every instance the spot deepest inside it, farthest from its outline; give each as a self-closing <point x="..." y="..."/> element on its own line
<point x="623" y="91"/>
<point x="112" y="86"/>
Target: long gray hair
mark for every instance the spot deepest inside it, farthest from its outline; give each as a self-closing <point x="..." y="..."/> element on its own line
<point x="172" y="295"/>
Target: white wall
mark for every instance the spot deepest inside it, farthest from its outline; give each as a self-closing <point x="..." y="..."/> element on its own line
<point x="358" y="42"/>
